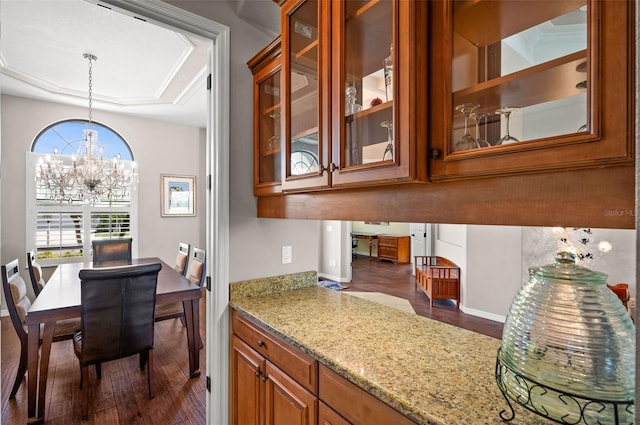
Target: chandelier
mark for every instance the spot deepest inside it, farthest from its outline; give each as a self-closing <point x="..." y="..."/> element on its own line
<point x="86" y="176"/>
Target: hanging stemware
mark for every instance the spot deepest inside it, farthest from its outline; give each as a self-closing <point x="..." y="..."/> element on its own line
<point x="466" y="141"/>
<point x="478" y="117"/>
<point x="388" y="151"/>
<point x="507" y="138"/>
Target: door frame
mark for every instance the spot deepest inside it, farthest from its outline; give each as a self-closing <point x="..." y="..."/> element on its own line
<point x="217" y="194"/>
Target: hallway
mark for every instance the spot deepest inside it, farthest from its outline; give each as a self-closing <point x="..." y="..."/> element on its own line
<point x="397" y="280"/>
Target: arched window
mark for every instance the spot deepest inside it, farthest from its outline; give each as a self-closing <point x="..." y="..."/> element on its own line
<point x="67" y="138"/>
<point x="58" y="230"/>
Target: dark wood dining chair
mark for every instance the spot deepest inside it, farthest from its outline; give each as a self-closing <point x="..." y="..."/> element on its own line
<point x="196" y="273"/>
<point x="117" y="305"/>
<point x="15" y="295"/>
<point x="111" y="249"/>
<point x="35" y="273"/>
<point x="182" y="258"/>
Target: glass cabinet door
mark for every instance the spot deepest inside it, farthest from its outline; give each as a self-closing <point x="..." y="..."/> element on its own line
<point x="528" y="86"/>
<point x="520" y="72"/>
<point x="305" y="148"/>
<point x="269" y="132"/>
<point x="378" y="93"/>
<point x="367" y="125"/>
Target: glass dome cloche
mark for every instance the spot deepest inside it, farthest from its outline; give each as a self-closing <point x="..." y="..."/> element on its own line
<point x="568" y="348"/>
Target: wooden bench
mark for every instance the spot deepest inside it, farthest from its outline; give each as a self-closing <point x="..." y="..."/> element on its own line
<point x="438" y="277"/>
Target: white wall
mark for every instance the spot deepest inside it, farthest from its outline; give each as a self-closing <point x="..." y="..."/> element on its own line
<point x="158" y="147"/>
<point x="493" y="270"/>
<point x="254" y="244"/>
<point x="331" y="250"/>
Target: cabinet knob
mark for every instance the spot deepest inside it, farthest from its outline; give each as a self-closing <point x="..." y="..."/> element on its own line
<point x="260" y="343"/>
<point x="264" y="378"/>
<point x="258" y="372"/>
<point x="435" y="153"/>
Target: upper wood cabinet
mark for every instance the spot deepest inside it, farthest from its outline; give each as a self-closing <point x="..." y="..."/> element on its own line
<point x="351" y="102"/>
<point x="529" y="86"/>
<point x="558" y="76"/>
<point x="267" y="132"/>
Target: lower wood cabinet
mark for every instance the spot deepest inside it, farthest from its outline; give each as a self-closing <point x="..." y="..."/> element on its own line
<point x="262" y="394"/>
<point x="394" y="248"/>
<point x="328" y="416"/>
<point x="272" y="383"/>
<point x="353" y="405"/>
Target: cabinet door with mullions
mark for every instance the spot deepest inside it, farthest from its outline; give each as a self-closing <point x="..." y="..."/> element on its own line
<point x="373" y="60"/>
<point x="528" y="86"/>
<point x="306" y="155"/>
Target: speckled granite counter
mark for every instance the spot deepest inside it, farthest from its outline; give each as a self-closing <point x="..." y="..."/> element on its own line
<point x="430" y="371"/>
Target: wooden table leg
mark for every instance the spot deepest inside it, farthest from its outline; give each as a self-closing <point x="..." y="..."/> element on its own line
<point x="192" y="320"/>
<point x="45" y="352"/>
<point x="37" y="377"/>
<point x="370" y="247"/>
<point x="32" y="368"/>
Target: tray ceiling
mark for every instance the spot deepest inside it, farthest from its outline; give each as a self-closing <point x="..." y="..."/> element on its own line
<point x="142" y="69"/>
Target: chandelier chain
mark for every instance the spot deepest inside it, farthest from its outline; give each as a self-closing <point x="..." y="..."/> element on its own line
<point x="90" y="90"/>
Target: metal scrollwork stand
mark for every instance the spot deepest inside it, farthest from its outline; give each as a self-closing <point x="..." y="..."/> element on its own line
<point x="536" y="394"/>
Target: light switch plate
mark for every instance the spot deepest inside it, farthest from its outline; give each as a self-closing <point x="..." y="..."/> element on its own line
<point x="286" y="254"/>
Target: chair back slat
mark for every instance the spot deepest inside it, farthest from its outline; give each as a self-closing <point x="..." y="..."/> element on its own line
<point x="117" y="311"/>
<point x="35" y="273"/>
<point x="197" y="270"/>
<point x="182" y="258"/>
<point x="14" y="289"/>
<point x="111" y="249"/>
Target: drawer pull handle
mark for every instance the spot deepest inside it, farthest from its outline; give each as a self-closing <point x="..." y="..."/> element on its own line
<point x="260" y="343"/>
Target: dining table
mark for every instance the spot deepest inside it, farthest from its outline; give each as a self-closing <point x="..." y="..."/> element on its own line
<point x="60" y="299"/>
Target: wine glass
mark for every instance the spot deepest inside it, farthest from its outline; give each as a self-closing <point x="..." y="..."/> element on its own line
<point x="274" y="140"/>
<point x="388" y="74"/>
<point x="477" y="117"/>
<point x="389" y="149"/>
<point x="507" y="138"/>
<point x="467" y="141"/>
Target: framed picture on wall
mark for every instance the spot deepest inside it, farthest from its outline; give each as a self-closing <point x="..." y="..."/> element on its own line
<point x="178" y="195"/>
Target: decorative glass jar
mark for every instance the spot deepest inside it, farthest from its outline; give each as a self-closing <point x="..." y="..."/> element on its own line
<point x="568" y="348"/>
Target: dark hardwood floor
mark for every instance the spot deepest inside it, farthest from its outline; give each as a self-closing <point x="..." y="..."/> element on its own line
<point x="120" y="397"/>
<point x="397" y="280"/>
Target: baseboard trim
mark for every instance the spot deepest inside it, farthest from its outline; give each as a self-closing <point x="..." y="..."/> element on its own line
<point x="334" y="278"/>
<point x="483" y="314"/>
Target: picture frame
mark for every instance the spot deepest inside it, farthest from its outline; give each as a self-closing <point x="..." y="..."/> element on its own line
<point x="177" y="195"/>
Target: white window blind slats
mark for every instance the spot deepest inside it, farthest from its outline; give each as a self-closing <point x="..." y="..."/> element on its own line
<point x="59" y="234"/>
<point x="110" y="225"/>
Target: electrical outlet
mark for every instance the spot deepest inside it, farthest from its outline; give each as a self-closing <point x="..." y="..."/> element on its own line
<point x="286" y="254"/>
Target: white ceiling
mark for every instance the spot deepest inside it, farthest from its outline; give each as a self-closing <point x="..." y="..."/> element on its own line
<point x="142" y="69"/>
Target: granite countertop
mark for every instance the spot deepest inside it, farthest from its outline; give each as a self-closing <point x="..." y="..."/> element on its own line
<point x="432" y="372"/>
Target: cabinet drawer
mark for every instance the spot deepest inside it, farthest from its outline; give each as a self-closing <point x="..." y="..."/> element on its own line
<point x="300" y="367"/>
<point x="387" y="241"/>
<point x="328" y="416"/>
<point x="354" y="404"/>
<point x="386" y="252"/>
